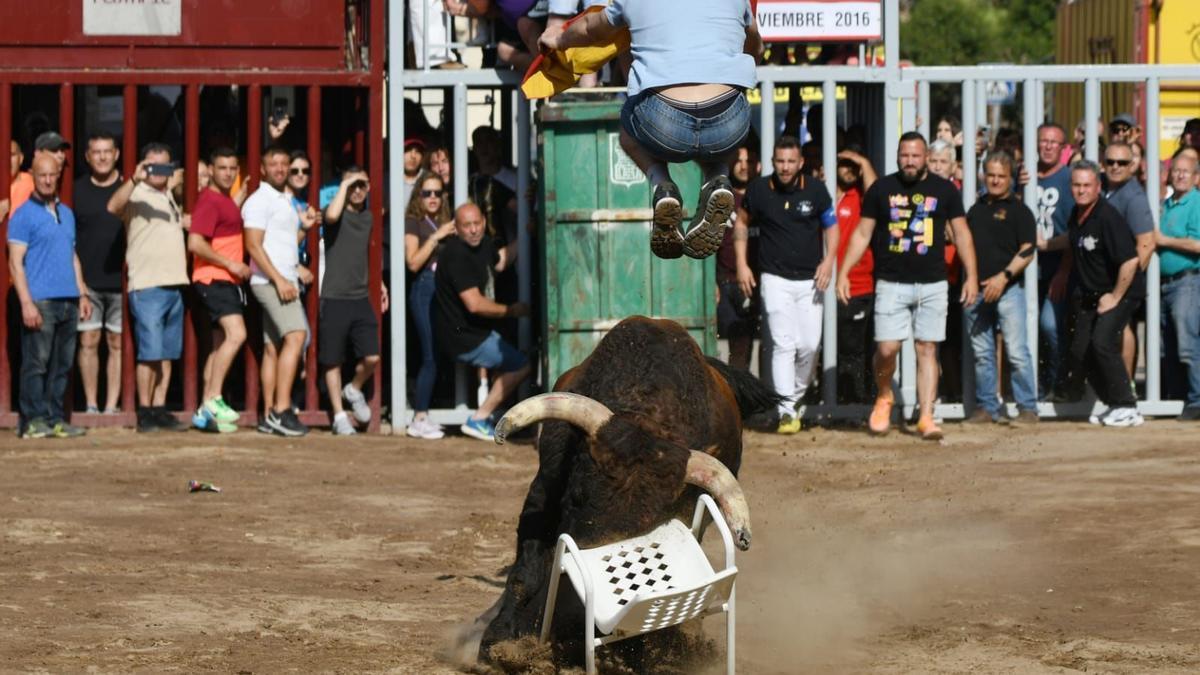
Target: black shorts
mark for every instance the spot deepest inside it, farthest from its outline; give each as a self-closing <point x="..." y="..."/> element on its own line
<point x="345" y="322"/>
<point x="221" y="298"/>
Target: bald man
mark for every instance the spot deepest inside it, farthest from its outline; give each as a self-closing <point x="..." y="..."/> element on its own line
<point x="49" y="283"/>
<point x="465" y="315"/>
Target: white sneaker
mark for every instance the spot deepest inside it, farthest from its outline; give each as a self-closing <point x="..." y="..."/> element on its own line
<point x="425" y="429"/>
<point x="342" y="426"/>
<point x="1123" y="417"/>
<point x="1098" y="419"/>
<point x="358" y="403"/>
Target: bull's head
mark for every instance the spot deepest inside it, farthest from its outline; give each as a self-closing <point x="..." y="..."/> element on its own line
<point x="703" y="470"/>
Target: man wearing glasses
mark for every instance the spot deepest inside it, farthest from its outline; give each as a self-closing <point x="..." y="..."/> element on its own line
<point x="1129" y="199"/>
<point x="348" y="321"/>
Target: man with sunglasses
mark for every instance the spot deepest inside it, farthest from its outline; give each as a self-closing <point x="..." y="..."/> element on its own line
<point x="1123" y="129"/>
<point x="1127" y="196"/>
<point x="347" y="320"/>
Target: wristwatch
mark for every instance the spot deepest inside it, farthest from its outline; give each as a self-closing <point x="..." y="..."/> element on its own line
<point x="1008" y="274"/>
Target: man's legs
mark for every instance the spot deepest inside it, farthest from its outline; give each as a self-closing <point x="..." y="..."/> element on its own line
<point x="62" y="353"/>
<point x="112" y="385"/>
<point x="1016" y="347"/>
<point x="285" y="369"/>
<point x="228" y="337"/>
<point x="149" y="373"/>
<point x="1107" y="342"/>
<point x="89" y="366"/>
<point x="880" y="421"/>
<point x="980" y="320"/>
<point x="1183" y="307"/>
<point x="1052" y="327"/>
<point x="35" y="361"/>
<point x="266" y="373"/>
<point x="780" y="304"/>
<point x="927" y="378"/>
<point x="1129" y="347"/>
<point x="503" y="387"/>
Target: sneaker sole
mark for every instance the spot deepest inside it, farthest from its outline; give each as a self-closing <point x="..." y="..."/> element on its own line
<point x="705" y="237"/>
<point x="665" y="240"/>
<point x="280" y="430"/>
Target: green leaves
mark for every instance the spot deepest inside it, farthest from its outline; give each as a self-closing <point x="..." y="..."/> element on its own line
<point x="969" y="32"/>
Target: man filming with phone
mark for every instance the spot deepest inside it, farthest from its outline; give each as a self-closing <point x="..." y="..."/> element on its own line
<point x="156" y="255"/>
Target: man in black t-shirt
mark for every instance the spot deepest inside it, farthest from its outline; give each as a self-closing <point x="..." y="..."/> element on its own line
<point x="794" y="216"/>
<point x="1104" y="266"/>
<point x="1005" y="234"/>
<point x="100" y="244"/>
<point x="911" y="287"/>
<point x="464" y="316"/>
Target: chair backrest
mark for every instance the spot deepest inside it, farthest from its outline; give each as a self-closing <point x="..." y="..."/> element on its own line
<point x="662" y="610"/>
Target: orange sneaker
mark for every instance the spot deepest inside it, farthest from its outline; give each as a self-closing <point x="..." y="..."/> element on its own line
<point x="880" y="421"/>
<point x="929" y="429"/>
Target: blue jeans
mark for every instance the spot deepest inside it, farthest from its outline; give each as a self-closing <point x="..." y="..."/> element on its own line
<point x="1181" y="331"/>
<point x="1052" y="325"/>
<point x="46" y="358"/>
<point x="673" y="135"/>
<point x="981" y="320"/>
<point x="420" y="303"/>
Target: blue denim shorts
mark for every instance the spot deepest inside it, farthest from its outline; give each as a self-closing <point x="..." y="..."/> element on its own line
<point x="673" y="135"/>
<point x="495" y="354"/>
<point x="157" y="323"/>
<point x="911" y="310"/>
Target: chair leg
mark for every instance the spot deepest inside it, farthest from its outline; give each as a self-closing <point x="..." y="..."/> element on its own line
<point x="556" y="573"/>
<point x="589" y="649"/>
<point x="730" y="631"/>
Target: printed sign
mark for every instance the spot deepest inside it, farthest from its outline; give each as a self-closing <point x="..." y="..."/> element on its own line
<point x="132" y="17"/>
<point x="621" y="169"/>
<point x="819" y="20"/>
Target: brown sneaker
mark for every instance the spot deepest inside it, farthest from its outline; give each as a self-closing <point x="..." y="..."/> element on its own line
<point x="929" y="429"/>
<point x="980" y="416"/>
<point x="1026" y="417"/>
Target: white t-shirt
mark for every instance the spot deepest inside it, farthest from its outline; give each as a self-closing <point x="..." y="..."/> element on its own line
<point x="271" y="210"/>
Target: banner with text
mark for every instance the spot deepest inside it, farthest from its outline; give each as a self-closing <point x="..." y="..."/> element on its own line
<point x="819" y="20"/>
<point x="137" y="17"/>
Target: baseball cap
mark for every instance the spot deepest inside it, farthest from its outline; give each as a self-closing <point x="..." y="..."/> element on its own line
<point x="1123" y="118"/>
<point x="414" y="140"/>
<point x="51" y="140"/>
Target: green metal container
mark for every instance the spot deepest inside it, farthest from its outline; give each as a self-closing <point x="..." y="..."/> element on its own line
<point x="597" y="264"/>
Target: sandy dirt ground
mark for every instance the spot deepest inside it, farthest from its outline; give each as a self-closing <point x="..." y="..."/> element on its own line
<point x="1056" y="549"/>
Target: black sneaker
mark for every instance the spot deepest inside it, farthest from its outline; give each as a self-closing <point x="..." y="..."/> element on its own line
<point x="1190" y="414"/>
<point x="286" y="423"/>
<point x="665" y="240"/>
<point x="147" y="420"/>
<point x="263" y="427"/>
<point x="707" y="230"/>
<point x="167" y="421"/>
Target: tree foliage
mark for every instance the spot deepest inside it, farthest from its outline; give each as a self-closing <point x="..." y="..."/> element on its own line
<point x="969" y="32"/>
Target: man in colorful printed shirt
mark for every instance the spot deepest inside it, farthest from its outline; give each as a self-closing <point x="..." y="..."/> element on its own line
<point x="911" y="288"/>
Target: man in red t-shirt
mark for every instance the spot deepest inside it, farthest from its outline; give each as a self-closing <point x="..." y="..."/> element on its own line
<point x="856" y="339"/>
<point x="218" y="271"/>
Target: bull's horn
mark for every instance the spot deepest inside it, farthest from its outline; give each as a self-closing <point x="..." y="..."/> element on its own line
<point x="709" y="474"/>
<point x="583" y="412"/>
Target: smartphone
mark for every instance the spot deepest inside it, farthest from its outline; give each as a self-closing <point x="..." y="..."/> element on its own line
<point x="160" y="169"/>
<point x="279" y="110"/>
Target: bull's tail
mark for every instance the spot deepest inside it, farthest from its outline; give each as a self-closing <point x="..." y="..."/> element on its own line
<point x="752" y="396"/>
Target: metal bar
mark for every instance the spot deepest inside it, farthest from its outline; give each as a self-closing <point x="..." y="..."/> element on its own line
<point x="66" y="128"/>
<point x="1091" y="113"/>
<point x="829" y="358"/>
<point x="923" y="113"/>
<point x="970" y="109"/>
<point x="191" y="157"/>
<point x="129" y="157"/>
<point x="1029" y="96"/>
<point x="312" y="372"/>
<point x="375" y="255"/>
<point x="253" y="167"/>
<point x="398" y="317"/>
<point x="766" y="141"/>
<point x="222" y="78"/>
<point x="5" y="179"/>
<point x="1153" y="273"/>
<point x="524" y="221"/>
<point x="461" y="193"/>
<point x="891" y="68"/>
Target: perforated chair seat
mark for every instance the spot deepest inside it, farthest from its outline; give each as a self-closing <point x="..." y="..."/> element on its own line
<point x="646" y="583"/>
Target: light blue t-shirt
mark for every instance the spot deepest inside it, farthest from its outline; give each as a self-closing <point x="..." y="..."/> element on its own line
<point x="1180" y="218"/>
<point x="49" y="236"/>
<point x="685" y="42"/>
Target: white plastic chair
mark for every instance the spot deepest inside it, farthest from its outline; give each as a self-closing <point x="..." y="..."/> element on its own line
<point x="646" y="583"/>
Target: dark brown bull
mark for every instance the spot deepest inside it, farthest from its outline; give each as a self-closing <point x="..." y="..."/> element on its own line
<point x="637" y="430"/>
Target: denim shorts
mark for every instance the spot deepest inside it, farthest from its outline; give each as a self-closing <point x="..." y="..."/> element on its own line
<point x="106" y="311"/>
<point x="495" y="354"/>
<point x="911" y="310"/>
<point x="157" y="322"/>
<point x="673" y="135"/>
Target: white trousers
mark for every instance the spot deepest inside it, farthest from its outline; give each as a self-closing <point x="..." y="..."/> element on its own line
<point x="795" y="314"/>
<point x="437" y="32"/>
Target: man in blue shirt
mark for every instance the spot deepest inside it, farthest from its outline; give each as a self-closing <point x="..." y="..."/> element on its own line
<point x="49" y="283"/>
<point x="1179" y="263"/>
<point x="692" y="62"/>
<point x="1054" y="207"/>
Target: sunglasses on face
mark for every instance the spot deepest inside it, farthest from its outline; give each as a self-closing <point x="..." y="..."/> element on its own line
<point x="1119" y="128"/>
<point x="432" y="193"/>
<point x="1118" y="162"/>
<point x="300" y="172"/>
